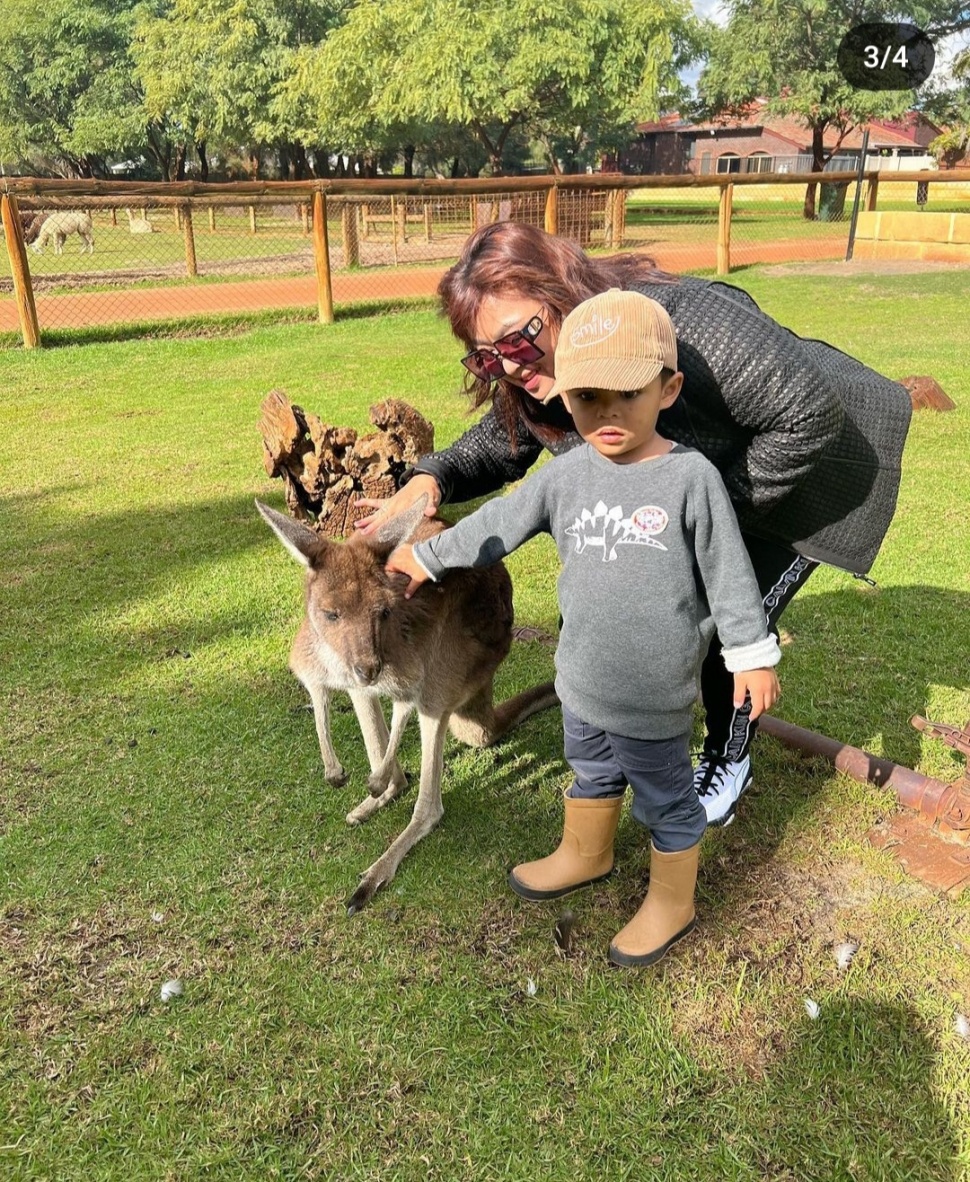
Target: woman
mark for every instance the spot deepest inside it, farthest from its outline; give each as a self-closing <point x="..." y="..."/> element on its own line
<point x="807" y="440"/>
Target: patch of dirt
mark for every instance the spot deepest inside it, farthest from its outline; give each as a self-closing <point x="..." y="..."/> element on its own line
<point x="862" y="267"/>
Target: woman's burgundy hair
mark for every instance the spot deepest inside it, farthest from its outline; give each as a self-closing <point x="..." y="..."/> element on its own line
<point x="515" y="259"/>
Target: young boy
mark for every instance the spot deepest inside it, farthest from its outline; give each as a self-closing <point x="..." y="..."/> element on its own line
<point x="652" y="561"/>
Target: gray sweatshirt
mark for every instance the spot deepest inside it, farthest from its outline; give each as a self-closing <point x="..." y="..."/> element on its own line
<point x="652" y="564"/>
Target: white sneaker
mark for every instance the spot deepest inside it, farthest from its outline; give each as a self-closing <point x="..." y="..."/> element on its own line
<point x="720" y="784"/>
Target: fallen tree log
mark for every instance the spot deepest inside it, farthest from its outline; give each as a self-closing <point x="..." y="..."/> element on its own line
<point x="325" y="469"/>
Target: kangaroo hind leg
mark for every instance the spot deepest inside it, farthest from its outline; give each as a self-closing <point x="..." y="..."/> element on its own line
<point x="480" y="723"/>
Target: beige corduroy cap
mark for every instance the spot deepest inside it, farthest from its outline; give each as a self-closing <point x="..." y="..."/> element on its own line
<point x="618" y="340"/>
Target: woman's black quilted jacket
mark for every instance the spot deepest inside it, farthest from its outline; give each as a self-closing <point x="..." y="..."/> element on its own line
<point x="808" y="440"/>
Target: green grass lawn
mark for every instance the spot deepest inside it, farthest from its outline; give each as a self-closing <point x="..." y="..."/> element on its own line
<point x="163" y="815"/>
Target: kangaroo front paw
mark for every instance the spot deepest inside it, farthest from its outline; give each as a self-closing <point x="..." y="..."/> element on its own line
<point x="335" y="776"/>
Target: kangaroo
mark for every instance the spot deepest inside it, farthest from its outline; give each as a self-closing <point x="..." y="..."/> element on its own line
<point x="437" y="653"/>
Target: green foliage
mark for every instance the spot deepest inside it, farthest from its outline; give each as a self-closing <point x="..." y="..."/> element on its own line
<point x="211" y="67"/>
<point x="582" y="70"/>
<point x="450" y="80"/>
<point x="65" y="85"/>
<point x="950" y="106"/>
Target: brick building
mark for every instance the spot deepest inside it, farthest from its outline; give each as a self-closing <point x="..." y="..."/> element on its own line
<point x="756" y="142"/>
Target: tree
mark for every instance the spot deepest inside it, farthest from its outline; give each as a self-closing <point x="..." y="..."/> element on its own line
<point x="786" y="50"/>
<point x="65" y="83"/>
<point x="209" y="68"/>
<point x="950" y="107"/>
<point x="544" y="69"/>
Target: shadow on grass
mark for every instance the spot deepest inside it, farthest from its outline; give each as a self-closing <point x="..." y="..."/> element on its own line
<point x="856" y="669"/>
<point x="854" y="1098"/>
<point x="76" y="572"/>
<point x="875" y="657"/>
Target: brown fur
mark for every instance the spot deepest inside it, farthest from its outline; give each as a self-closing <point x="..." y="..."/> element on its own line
<point x="437" y="653"/>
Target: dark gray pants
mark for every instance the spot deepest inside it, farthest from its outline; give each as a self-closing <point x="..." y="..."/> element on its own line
<point x="658" y="771"/>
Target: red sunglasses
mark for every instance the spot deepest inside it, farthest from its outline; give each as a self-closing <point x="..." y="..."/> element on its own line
<point x="519" y="347"/>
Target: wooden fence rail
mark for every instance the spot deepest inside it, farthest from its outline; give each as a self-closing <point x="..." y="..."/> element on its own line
<point x="569" y="207"/>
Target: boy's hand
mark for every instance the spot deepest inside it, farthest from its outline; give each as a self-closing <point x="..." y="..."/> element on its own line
<point x="402" y="561"/>
<point x="761" y="684"/>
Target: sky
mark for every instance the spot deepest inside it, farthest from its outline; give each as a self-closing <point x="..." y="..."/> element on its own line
<point x="717" y="11"/>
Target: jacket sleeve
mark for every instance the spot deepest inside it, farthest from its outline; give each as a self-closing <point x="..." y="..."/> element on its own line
<point x="771" y="387"/>
<point x="728" y="576"/>
<point x="481" y="461"/>
<point x="495" y="529"/>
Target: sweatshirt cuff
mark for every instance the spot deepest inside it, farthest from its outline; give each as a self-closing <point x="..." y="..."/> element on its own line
<point x="429" y="466"/>
<point x="760" y="655"/>
<point x="421" y="552"/>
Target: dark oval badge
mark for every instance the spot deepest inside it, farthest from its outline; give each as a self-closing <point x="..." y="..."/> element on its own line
<point x="882" y="56"/>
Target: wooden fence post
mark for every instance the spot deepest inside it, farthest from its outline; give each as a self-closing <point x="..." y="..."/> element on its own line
<point x="22" y="287"/>
<point x="321" y="256"/>
<point x="393" y="230"/>
<point x="212" y="218"/>
<point x="552" y="211"/>
<point x="114" y="217"/>
<point x="427" y="223"/>
<point x="615" y="219"/>
<point x="364" y="216"/>
<point x="872" y="194"/>
<point x="620" y="224"/>
<point x="252" y="219"/>
<point x="178" y="217"/>
<point x="305" y="209"/>
<point x="473" y="214"/>
<point x="348" y="229"/>
<point x="724" y="231"/>
<point x="402" y="213"/>
<point x="191" y="266"/>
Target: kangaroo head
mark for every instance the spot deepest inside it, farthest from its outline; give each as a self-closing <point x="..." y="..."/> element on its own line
<point x="355" y="609"/>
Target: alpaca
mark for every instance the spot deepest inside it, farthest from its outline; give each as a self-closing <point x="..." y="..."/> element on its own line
<point x="139" y="225"/>
<point x="57" y="226"/>
<point x="31" y="220"/>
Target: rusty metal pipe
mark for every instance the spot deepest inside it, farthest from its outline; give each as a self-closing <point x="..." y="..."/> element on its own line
<point x="926" y="795"/>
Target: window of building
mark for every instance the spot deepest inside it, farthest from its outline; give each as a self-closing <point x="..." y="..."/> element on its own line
<point x="729" y="162"/>
<point x="760" y="162"/>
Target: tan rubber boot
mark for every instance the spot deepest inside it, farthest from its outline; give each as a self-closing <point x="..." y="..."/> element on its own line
<point x="585" y="853"/>
<point x="667" y="913"/>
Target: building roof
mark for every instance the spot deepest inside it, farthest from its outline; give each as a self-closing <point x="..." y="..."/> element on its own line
<point x="882" y="133"/>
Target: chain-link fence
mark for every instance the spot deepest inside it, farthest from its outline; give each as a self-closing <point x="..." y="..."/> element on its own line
<point x="131" y="253"/>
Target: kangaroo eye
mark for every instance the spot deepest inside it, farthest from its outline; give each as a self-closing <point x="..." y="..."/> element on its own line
<point x="332" y="616"/>
<point x="385" y="613"/>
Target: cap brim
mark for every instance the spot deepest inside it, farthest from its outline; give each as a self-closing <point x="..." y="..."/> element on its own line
<point x="612" y="374"/>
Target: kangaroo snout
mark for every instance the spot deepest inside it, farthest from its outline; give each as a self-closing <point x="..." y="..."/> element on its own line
<point x="367" y="673"/>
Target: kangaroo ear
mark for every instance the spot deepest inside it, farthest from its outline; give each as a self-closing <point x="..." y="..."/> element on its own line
<point x="300" y="541"/>
<point x="401" y="527"/>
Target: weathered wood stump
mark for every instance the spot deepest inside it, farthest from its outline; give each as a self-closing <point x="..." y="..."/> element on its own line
<point x="926" y="393"/>
<point x="326" y="469"/>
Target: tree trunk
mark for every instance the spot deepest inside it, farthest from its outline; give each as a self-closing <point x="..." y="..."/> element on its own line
<point x="818" y="163"/>
<point x="254" y="162"/>
<point x="200" y="151"/>
<point x="409" y="160"/>
<point x="325" y="469"/>
<point x="178" y="164"/>
<point x="301" y="165"/>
